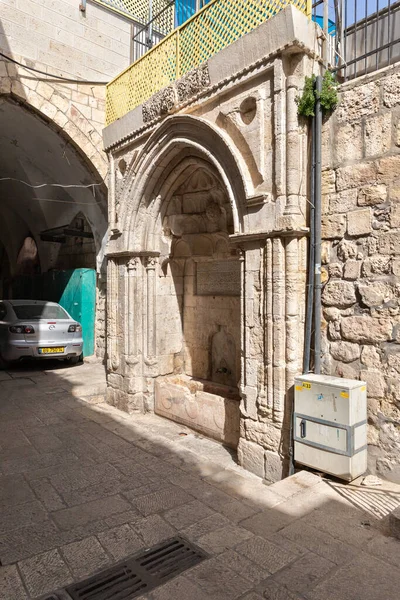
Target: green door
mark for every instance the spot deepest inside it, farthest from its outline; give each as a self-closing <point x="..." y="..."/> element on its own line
<point x="79" y="299"/>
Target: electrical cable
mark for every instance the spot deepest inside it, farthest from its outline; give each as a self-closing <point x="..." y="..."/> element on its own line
<point x="61" y="185"/>
<point x="66" y="201"/>
<point x="60" y="77"/>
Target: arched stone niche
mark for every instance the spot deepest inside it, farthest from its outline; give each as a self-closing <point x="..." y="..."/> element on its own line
<point x="180" y="297"/>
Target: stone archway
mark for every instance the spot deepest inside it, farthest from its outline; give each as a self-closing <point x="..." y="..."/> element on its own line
<point x="46" y="182"/>
<point x="159" y="251"/>
<point x="54" y="103"/>
<point x="183" y="207"/>
<point x="179" y="138"/>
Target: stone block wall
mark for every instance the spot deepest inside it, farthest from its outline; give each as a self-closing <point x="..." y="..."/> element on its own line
<point x="361" y="253"/>
<point x="55" y="37"/>
<point x="94" y="44"/>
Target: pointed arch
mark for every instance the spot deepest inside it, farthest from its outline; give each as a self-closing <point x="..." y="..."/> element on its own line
<point x="178" y="145"/>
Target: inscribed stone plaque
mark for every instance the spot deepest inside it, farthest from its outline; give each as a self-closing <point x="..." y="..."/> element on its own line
<point x="218" y="278"/>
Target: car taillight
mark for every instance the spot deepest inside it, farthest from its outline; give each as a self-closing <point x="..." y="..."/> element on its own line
<point x="22" y="329"/>
<point x="75" y="327"/>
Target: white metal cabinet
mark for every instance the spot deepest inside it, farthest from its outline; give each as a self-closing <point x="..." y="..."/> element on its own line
<point x="330" y="425"/>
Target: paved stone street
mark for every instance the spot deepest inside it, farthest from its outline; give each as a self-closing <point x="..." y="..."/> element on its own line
<point x="83" y="485"/>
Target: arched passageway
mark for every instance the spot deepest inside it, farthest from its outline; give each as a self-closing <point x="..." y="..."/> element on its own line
<point x="53" y="205"/>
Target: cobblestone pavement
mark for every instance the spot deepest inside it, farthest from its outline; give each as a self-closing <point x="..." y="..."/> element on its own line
<point x="83" y="485"/>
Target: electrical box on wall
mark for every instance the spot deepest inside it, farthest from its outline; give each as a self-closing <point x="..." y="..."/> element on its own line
<point x="330" y="425"/>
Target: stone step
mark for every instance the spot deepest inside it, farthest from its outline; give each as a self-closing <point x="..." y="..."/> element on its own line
<point x="296" y="484"/>
<point x="92" y="393"/>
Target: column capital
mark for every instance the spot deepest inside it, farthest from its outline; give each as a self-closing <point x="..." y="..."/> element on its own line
<point x="151" y="262"/>
<point x="133" y="263"/>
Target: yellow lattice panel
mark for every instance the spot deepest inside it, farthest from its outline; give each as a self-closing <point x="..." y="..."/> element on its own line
<point x="219" y="24"/>
<point x="154" y="71"/>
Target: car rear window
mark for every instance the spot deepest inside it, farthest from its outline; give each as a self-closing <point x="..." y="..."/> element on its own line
<point x="39" y="311"/>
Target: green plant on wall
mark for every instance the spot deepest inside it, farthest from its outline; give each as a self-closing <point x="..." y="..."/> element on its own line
<point x="328" y="97"/>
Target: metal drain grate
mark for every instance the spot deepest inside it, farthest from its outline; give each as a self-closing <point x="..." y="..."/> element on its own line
<point x="140" y="573"/>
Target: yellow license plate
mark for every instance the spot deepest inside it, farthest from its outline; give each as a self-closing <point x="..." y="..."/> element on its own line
<point x="51" y="350"/>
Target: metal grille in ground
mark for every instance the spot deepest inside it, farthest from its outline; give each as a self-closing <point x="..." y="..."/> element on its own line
<point x="139" y="574"/>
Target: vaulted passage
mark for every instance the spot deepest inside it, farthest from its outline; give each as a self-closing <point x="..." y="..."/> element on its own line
<point x="53" y="218"/>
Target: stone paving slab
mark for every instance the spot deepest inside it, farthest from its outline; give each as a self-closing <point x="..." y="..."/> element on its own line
<point x="82" y="485"/>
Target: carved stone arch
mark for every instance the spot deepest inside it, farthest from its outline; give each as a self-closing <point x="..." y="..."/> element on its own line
<point x="189" y="136"/>
<point x="147" y="230"/>
<point x="64" y="117"/>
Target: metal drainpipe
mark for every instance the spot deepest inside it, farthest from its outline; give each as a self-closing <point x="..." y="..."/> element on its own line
<point x="311" y="266"/>
<point x="317" y="270"/>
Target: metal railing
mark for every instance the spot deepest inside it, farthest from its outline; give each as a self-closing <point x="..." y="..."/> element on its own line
<point x="142" y="11"/>
<point x="365" y="34"/>
<point x="218" y="24"/>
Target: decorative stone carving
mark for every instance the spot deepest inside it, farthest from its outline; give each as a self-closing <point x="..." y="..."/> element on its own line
<point x="159" y="104"/>
<point x="180" y="91"/>
<point x="193" y="82"/>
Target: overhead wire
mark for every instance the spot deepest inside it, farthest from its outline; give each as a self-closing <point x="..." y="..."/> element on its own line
<point x="61" y="185"/>
<point x="52" y="75"/>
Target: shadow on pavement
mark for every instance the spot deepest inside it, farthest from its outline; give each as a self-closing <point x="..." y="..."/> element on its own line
<point x="83" y="485"/>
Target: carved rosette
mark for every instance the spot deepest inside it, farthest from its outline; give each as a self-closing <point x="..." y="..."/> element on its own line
<point x="192" y="83"/>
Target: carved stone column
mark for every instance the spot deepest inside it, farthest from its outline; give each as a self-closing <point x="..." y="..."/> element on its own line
<point x="112" y="314"/>
<point x="149" y="321"/>
<point x="269" y="328"/>
<point x="280" y="129"/>
<point x="132" y="310"/>
<point x="279" y="337"/>
<point x="292" y="148"/>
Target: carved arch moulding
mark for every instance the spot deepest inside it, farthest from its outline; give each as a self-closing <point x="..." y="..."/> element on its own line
<point x="178" y="138"/>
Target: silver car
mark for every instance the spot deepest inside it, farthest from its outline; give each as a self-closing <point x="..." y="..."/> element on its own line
<point x="37" y="329"/>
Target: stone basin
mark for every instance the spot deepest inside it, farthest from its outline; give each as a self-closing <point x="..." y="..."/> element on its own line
<point x="205" y="406"/>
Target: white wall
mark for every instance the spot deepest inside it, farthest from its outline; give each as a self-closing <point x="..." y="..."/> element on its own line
<point x="56" y="34"/>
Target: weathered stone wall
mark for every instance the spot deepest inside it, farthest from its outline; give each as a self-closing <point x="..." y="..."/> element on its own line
<point x="77" y="252"/>
<point x="361" y="254"/>
<point x="236" y="119"/>
<point x="55" y="37"/>
<point x="100" y="327"/>
<point x="94" y="44"/>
